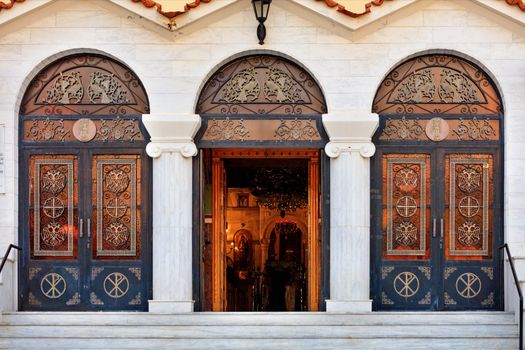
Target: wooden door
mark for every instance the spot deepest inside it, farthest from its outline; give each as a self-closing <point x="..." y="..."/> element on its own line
<point x="218" y="218"/>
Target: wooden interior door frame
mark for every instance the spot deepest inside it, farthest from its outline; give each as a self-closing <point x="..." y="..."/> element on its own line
<point x="219" y="212"/>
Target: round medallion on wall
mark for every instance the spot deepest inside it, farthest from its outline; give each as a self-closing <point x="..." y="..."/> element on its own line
<point x="437" y="129"/>
<point x="84" y="130"/>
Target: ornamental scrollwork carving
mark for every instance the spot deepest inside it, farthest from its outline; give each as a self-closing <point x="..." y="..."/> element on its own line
<point x="47" y="130"/>
<point x="261" y="85"/>
<point x="105" y="89"/>
<point x="474" y="129"/>
<point x="439" y="129"/>
<point x="456" y="88"/>
<point x="403" y="129"/>
<point x="85" y="84"/>
<point x="119" y="130"/>
<point x="437" y="84"/>
<point x="67" y="89"/>
<point x="419" y="87"/>
<point x="243" y="87"/>
<point x="297" y="130"/>
<point x="226" y="130"/>
<point x="280" y="87"/>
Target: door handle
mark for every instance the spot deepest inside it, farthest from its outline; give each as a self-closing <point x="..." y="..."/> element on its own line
<point x="434" y="228"/>
<point x="81" y="229"/>
<point x="89" y="228"/>
<point x="441" y="226"/>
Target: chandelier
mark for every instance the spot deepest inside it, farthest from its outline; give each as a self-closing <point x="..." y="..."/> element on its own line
<point x="281" y="189"/>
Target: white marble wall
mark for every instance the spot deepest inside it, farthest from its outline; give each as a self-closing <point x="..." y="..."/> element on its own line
<point x="348" y="64"/>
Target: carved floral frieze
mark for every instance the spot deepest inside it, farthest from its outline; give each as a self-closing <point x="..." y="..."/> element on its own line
<point x="49" y="130"/>
<point x="438" y="129"/>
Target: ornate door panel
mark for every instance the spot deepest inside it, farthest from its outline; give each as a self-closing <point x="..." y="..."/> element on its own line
<point x="438" y="248"/>
<point x="471" y="278"/>
<point x="86" y="257"/>
<point x="116" y="263"/>
<point x="445" y="108"/>
<point x="53" y="232"/>
<point x="85" y="187"/>
<point x="405" y="256"/>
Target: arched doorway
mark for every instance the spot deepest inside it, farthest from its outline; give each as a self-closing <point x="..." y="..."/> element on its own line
<point x="437" y="188"/>
<point x="261" y="132"/>
<point x="85" y="187"/>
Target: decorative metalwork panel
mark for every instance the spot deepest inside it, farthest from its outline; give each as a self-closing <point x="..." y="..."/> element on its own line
<point x="53" y="208"/>
<point x="86" y="84"/>
<point x="53" y="130"/>
<point x="470" y="288"/>
<point x="437" y="84"/>
<point x="116" y="201"/>
<point x="116" y="287"/>
<point x="469" y="205"/>
<point x="278" y="130"/>
<point x="406" y="205"/>
<point x="462" y="129"/>
<point x="261" y="84"/>
<point x="57" y="287"/>
<point x="406" y="287"/>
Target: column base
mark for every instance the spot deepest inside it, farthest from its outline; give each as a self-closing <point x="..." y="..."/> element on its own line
<point x="169" y="306"/>
<point x="351" y="306"/>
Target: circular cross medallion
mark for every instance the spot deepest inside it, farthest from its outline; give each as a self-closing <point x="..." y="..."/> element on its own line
<point x="406" y="284"/>
<point x="53" y="207"/>
<point x="468" y="206"/>
<point x="437" y="129"/>
<point x="53" y="285"/>
<point x="406" y="206"/>
<point x="84" y="130"/>
<point x="468" y="285"/>
<point x="116" y="207"/>
<point x="116" y="285"/>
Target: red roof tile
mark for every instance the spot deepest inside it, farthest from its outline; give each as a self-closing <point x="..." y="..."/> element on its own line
<point x="518" y="3"/>
<point x="8" y="4"/>
<point x="342" y="9"/>
<point x="171" y="14"/>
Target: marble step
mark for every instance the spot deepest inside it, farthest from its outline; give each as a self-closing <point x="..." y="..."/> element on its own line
<point x="260" y="332"/>
<point x="257" y="318"/>
<point x="262" y="344"/>
<point x="378" y="330"/>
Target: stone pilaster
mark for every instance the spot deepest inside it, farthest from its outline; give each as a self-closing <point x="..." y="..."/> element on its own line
<point x="172" y="148"/>
<point x="350" y="149"/>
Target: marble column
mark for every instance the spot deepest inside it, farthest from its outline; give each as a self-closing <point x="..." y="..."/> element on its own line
<point x="172" y="148"/>
<point x="350" y="149"/>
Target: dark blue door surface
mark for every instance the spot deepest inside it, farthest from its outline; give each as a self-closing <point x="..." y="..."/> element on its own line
<point x="84" y="230"/>
<point x="437" y="230"/>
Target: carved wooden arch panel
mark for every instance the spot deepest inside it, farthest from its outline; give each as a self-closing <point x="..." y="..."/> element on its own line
<point x="85" y="84"/>
<point x="437" y="84"/>
<point x="261" y="84"/>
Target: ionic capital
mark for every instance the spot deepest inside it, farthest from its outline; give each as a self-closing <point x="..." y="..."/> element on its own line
<point x="155" y="149"/>
<point x="350" y="131"/>
<point x="171" y="133"/>
<point x="334" y="149"/>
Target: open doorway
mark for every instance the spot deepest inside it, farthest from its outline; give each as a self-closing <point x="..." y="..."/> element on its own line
<point x="262" y="251"/>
